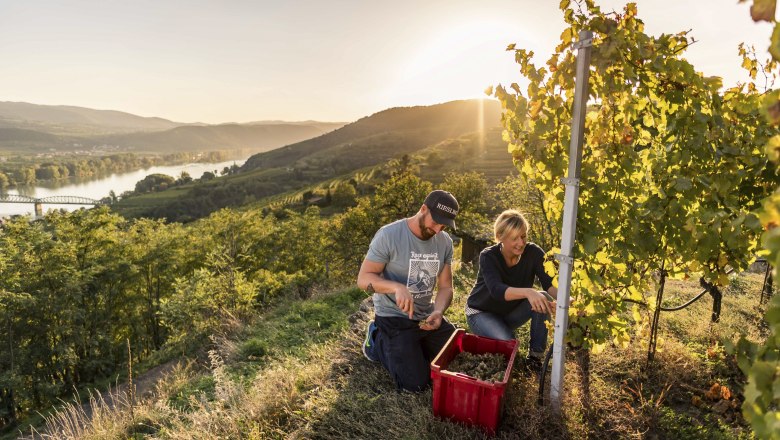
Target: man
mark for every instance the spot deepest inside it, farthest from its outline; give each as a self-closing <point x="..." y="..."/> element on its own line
<point x="406" y="261"/>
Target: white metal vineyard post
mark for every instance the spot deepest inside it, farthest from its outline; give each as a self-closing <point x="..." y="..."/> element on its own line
<point x="571" y="196"/>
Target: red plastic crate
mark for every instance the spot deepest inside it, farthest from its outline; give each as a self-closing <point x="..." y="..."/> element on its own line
<point x="463" y="398"/>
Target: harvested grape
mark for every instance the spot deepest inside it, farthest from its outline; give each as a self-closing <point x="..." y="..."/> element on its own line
<point x="487" y="366"/>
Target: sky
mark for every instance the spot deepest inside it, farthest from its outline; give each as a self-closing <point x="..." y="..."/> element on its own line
<point x="294" y="60"/>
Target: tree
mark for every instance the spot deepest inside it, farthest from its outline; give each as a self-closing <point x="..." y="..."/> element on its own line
<point x="435" y="160"/>
<point x="761" y="363"/>
<point x="404" y="165"/>
<point x="516" y="192"/>
<point x="14" y="310"/>
<point x="184" y="177"/>
<point x="47" y="171"/>
<point x="98" y="303"/>
<point x="154" y="182"/>
<point x="344" y="195"/>
<point x="474" y="198"/>
<point x="350" y="234"/>
<point x="653" y="195"/>
<point x="400" y="196"/>
<point x="39" y="292"/>
<point x="160" y="255"/>
<point x="25" y="175"/>
<point x="210" y="299"/>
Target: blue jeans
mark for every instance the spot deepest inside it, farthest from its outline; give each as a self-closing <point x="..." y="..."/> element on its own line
<point x="406" y="351"/>
<point x="503" y="327"/>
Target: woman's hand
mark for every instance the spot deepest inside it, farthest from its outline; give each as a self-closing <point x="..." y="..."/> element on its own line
<point x="540" y="303"/>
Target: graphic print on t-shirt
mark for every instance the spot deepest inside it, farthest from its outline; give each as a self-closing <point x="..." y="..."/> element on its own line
<point x="422" y="276"/>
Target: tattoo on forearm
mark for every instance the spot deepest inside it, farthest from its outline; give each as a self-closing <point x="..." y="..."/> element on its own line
<point x="370" y="288"/>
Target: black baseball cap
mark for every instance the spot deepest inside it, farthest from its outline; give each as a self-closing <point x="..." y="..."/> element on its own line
<point x="443" y="206"/>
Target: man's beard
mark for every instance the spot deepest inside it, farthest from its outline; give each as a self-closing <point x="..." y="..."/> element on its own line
<point x="427" y="233"/>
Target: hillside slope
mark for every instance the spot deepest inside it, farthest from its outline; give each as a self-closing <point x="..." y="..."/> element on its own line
<point x="421" y="125"/>
<point x="31" y="128"/>
<point x="219" y="137"/>
<point x="68" y="119"/>
<point x="371" y="141"/>
<point x="298" y="373"/>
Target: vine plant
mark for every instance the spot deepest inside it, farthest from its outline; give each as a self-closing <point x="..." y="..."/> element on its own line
<point x="761" y="363"/>
<point x="673" y="168"/>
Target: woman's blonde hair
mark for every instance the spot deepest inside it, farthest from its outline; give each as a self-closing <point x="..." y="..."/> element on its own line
<point x="509" y="221"/>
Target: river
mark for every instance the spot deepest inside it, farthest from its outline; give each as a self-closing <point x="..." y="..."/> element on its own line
<point x="100" y="187"/>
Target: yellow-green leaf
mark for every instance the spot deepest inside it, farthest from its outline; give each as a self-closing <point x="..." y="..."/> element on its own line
<point x="773" y="149"/>
<point x="598" y="348"/>
<point x="566" y="36"/>
<point x="774" y="46"/>
<point x="635" y="313"/>
<point x="635" y="294"/>
<point x="715" y="82"/>
<point x="771" y="105"/>
<point x="549" y="267"/>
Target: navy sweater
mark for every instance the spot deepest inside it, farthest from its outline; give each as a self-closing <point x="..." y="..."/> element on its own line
<point x="495" y="277"/>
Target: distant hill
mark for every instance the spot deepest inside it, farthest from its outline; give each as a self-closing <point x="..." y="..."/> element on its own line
<point x="386" y="134"/>
<point x="22" y="135"/>
<point x="220" y="137"/>
<point x="325" y="126"/>
<point x="434" y="131"/>
<point x="33" y="128"/>
<point x="66" y="119"/>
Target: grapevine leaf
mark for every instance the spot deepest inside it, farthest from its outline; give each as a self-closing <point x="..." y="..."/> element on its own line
<point x="773" y="149"/>
<point x="566" y="36"/>
<point x="774" y="46"/>
<point x="763" y="10"/>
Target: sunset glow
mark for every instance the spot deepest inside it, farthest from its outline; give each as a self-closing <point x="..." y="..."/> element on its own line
<point x="336" y="61"/>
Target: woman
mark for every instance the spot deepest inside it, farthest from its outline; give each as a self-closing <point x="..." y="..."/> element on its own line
<point x="503" y="297"/>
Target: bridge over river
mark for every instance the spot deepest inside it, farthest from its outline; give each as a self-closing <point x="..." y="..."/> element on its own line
<point x="55" y="200"/>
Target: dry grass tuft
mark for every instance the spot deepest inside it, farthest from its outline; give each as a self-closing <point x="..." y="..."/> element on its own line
<point x="102" y="418"/>
<point x="328" y="390"/>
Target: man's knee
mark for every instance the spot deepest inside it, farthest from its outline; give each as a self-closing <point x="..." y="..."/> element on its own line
<point x="414" y="384"/>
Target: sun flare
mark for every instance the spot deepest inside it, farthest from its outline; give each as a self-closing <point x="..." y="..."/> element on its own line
<point x="458" y="62"/>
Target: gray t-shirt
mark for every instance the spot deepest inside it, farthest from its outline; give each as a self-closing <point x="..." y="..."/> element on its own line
<point x="410" y="261"/>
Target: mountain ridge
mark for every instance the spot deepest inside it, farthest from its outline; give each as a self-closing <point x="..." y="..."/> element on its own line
<point x="370" y="141"/>
<point x="449" y="119"/>
<point x="35" y="128"/>
<point x="69" y="115"/>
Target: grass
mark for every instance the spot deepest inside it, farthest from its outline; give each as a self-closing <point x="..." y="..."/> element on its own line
<point x="297" y="372"/>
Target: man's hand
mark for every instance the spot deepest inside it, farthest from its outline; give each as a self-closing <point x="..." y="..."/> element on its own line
<point x="404" y="300"/>
<point x="432" y="322"/>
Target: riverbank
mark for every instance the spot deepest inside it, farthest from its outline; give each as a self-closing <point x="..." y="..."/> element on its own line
<point x="16" y="171"/>
<point x="100" y="187"/>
